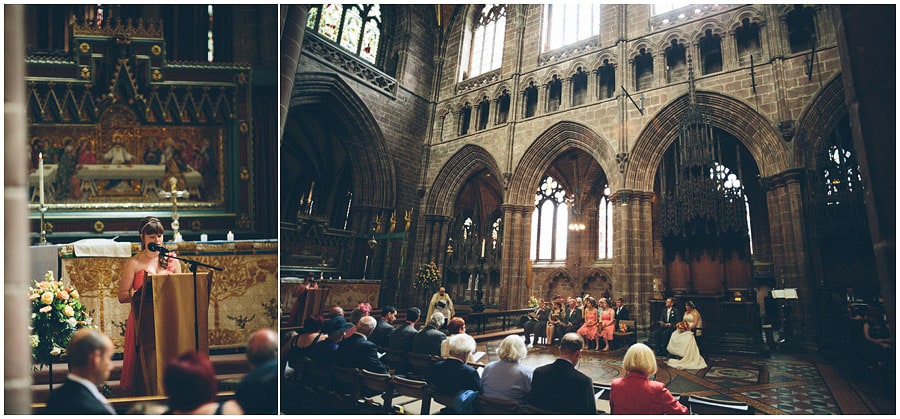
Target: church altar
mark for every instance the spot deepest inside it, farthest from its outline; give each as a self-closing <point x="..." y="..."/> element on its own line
<point x="347" y="293"/>
<point x="243" y="297"/>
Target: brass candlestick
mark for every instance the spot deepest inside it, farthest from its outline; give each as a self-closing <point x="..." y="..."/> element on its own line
<point x="174" y="194"/>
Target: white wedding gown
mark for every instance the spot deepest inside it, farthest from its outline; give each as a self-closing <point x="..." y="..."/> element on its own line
<point x="684" y="345"/>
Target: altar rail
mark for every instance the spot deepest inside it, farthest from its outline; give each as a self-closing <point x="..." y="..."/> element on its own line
<point x="507" y="319"/>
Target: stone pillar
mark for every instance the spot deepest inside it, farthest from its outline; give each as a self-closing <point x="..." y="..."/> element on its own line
<point x="565" y="93"/>
<point x="729" y="52"/>
<point x="784" y="202"/>
<point x="294" y="28"/>
<point x="514" y="290"/>
<point x="634" y="251"/>
<point x="17" y="354"/>
<point x="437" y="228"/>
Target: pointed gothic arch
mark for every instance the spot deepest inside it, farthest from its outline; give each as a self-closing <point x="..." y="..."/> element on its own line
<point x="755" y="132"/>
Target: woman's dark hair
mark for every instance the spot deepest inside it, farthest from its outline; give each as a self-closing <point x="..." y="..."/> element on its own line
<point x="690" y="304"/>
<point x="190" y="382"/>
<point x="313" y="323"/>
<point x="151" y="225"/>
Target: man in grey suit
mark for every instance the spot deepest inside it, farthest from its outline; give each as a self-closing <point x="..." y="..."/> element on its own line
<point x="428" y="340"/>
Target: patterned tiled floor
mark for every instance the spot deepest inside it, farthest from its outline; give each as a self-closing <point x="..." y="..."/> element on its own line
<point x="794" y="385"/>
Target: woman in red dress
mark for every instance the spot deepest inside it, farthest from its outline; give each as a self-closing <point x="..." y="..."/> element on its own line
<point x="136" y="268"/>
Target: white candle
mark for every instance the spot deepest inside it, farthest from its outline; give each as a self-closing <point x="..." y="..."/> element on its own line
<point x="41" y="170"/>
<point x="482" y="246"/>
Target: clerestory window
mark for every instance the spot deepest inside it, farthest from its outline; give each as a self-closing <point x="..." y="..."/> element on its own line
<point x="565" y="24"/>
<point x="355" y="27"/>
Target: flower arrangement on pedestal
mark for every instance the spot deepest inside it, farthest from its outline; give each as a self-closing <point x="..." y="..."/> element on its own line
<point x="56" y="313"/>
<point x="428" y="277"/>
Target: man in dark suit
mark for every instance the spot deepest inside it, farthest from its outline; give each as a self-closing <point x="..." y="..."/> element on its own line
<point x="90" y="362"/>
<point x="402" y="338"/>
<point x="559" y="387"/>
<point x="661" y="335"/>
<point x="571" y="321"/>
<point x="257" y="394"/>
<point x="453" y="375"/>
<point x="428" y="340"/>
<point x="536" y="320"/>
<point x="385" y="327"/>
<point x="621" y="311"/>
<point x="357" y="352"/>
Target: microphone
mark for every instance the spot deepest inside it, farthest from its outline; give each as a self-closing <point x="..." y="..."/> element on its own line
<point x="153" y="247"/>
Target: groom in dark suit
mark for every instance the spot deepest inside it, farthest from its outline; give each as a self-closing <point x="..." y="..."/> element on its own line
<point x="559" y="387"/>
<point x="90" y="362"/>
<point x="670" y="316"/>
<point x="571" y="321"/>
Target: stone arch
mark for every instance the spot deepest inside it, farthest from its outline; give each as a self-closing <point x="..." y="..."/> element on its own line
<point x="714" y="26"/>
<point x="598" y="283"/>
<point x="751" y="13"/>
<point x="642" y="44"/>
<point x="548" y="77"/>
<point x="598" y="62"/>
<point x="453" y="174"/>
<point x="547" y="147"/>
<point x="818" y="120"/>
<point x="571" y="69"/>
<point x="373" y="168"/>
<point x="676" y="35"/>
<point x="558" y="282"/>
<point x="753" y="130"/>
<point x="499" y="91"/>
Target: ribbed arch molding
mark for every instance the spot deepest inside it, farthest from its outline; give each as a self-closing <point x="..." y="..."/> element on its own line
<point x="466" y="162"/>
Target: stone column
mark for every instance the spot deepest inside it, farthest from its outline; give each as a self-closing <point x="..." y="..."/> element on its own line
<point x="565" y="93"/>
<point x="790" y="258"/>
<point x="294" y="27"/>
<point x="729" y="52"/>
<point x="634" y="251"/>
<point x="17" y="354"/>
<point x="514" y="290"/>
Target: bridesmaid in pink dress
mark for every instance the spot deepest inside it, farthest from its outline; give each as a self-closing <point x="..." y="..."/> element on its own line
<point x="607" y="323"/>
<point x="151" y="231"/>
<point x="589" y="329"/>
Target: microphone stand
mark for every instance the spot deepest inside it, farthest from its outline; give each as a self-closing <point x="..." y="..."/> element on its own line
<point x="192" y="265"/>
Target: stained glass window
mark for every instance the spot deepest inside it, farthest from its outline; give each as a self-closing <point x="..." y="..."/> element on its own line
<point x="495" y="233"/>
<point x="731" y="186"/>
<point x="568" y="23"/>
<point x="484" y="49"/>
<point x="356" y="28"/>
<point x="605" y="221"/>
<point x="210" y="50"/>
<point x="549" y="232"/>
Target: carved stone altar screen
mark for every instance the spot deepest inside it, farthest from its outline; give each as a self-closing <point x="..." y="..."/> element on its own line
<point x="116" y="119"/>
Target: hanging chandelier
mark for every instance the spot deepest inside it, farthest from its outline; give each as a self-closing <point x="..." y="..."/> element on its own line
<point x="705" y="202"/>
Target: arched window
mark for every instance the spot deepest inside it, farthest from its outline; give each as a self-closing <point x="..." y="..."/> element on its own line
<point x="840" y="173"/>
<point x="549" y="231"/>
<point x="496" y="232"/>
<point x="660" y="8"/>
<point x="732" y="187"/>
<point x="568" y="23"/>
<point x="605" y="224"/>
<point x="483" y="46"/>
<point x="355" y="27"/>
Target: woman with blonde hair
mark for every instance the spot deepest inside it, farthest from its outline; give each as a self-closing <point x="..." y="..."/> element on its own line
<point x="507" y="378"/>
<point x="636" y="393"/>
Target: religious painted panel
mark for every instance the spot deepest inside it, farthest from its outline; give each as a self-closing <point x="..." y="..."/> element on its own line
<point x="114" y="122"/>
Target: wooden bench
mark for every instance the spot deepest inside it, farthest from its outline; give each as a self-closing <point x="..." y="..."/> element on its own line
<point x="508" y="319"/>
<point x="629" y="337"/>
<point x="123" y="405"/>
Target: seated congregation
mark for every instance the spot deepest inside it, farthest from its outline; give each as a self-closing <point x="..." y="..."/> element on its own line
<point x="424" y="366"/>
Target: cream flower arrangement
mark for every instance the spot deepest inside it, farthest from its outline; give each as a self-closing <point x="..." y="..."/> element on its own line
<point x="428" y="277"/>
<point x="56" y="313"/>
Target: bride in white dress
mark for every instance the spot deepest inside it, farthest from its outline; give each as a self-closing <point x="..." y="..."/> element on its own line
<point x="683" y="344"/>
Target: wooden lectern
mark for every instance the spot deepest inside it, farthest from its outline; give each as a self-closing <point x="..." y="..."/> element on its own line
<point x="314" y="304"/>
<point x="171" y="315"/>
